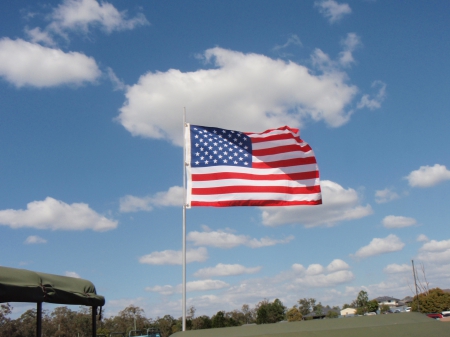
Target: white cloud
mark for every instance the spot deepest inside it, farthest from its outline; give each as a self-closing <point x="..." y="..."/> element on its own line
<point x="339" y="204"/>
<point x="378" y="246"/>
<point x="332" y="10"/>
<point x="393" y="221"/>
<point x="222" y="239"/>
<point x="175" y="257"/>
<point x="23" y="63"/>
<point x="72" y="274"/>
<point x="337" y="265"/>
<point x="422" y="238"/>
<point x="292" y="40"/>
<point x="56" y="215"/>
<point x="375" y="102"/>
<point x="117" y="83"/>
<point x="205" y="285"/>
<point x="314" y="269"/>
<point x="33" y="239"/>
<point x="202" y="285"/>
<point x="351" y="42"/>
<point x="172" y="197"/>
<point x="427" y="176"/>
<point x="225" y="270"/>
<point x="396" y="269"/>
<point x="248" y="92"/>
<point x="435" y="252"/>
<point x="386" y="195"/>
<point x="36" y="35"/>
<point x="317" y="275"/>
<point x="83" y="14"/>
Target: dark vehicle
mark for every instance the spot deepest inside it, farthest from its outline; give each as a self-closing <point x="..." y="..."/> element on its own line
<point x="435" y="316"/>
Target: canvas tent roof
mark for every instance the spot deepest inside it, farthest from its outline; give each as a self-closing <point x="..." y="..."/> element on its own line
<point x="20" y="285"/>
<point x="398" y="325"/>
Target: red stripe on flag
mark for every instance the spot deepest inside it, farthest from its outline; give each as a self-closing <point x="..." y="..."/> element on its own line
<point x="280" y="149"/>
<point x="285" y="163"/>
<point x="260" y="203"/>
<point x="248" y="176"/>
<point x="256" y="189"/>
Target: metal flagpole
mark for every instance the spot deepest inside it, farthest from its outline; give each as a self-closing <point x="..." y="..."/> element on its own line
<point x="184" y="222"/>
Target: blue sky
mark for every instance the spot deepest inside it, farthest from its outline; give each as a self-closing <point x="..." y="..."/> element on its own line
<point x="91" y="107"/>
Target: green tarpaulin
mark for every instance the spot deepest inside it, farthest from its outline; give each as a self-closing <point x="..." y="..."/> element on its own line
<point x="20" y="285"/>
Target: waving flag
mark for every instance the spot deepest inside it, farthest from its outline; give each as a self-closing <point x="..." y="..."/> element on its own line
<point x="232" y="168"/>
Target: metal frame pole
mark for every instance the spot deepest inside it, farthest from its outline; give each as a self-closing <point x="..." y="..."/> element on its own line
<point x="184" y="223"/>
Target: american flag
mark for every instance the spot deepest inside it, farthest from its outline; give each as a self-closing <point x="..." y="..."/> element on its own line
<point x="233" y="168"/>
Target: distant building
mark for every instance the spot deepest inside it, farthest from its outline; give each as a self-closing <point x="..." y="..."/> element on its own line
<point x="348" y="311"/>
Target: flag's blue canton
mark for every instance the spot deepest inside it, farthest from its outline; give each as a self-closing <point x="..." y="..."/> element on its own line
<point x="213" y="146"/>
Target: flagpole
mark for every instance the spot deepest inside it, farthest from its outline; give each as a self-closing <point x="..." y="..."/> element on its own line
<point x="184" y="223"/>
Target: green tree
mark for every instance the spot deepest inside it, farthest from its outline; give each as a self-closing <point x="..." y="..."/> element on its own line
<point x="201" y="322"/>
<point x="270" y="312"/>
<point x="384" y="308"/>
<point x="318" y="309"/>
<point x="166" y="325"/>
<point x="362" y="299"/>
<point x="249" y="314"/>
<point x="434" y="300"/>
<point x="332" y="314"/>
<point x="293" y="314"/>
<point x="372" y="306"/>
<point x="218" y="320"/>
<point x="306" y="305"/>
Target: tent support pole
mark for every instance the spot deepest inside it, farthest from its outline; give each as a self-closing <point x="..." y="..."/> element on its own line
<point x="38" y="319"/>
<point x="94" y="321"/>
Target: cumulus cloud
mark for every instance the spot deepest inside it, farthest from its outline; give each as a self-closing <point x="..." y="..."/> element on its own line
<point x="28" y="64"/>
<point x="33" y="239"/>
<point x="222" y="239"/>
<point x="393" y="221"/>
<point x="175" y="257"/>
<point x="72" y="274"/>
<point x="56" y="215"/>
<point x="337" y="265"/>
<point x="332" y="10"/>
<point x="427" y="176"/>
<point x="202" y="285"/>
<point x="225" y="270"/>
<point x="386" y="195"/>
<point x="316" y="275"/>
<point x="435" y="251"/>
<point x="378" y="246"/>
<point x="373" y="102"/>
<point x="249" y="92"/>
<point x="172" y="197"/>
<point x="84" y="14"/>
<point x="422" y="238"/>
<point x="339" y="204"/>
<point x="397" y="268"/>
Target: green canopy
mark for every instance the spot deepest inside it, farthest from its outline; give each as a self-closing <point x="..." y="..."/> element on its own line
<point x="20" y="285"/>
<point x="398" y="325"/>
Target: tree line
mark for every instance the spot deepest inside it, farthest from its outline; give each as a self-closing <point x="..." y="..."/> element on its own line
<point x="64" y="322"/>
